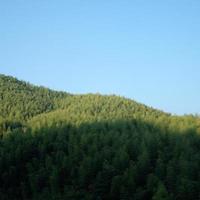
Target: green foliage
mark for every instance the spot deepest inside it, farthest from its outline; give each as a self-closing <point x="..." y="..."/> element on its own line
<point x="58" y="146"/>
<point x="21" y="100"/>
<point x="161" y="193"/>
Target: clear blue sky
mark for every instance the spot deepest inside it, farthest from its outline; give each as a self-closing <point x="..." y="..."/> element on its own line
<point x="145" y="50"/>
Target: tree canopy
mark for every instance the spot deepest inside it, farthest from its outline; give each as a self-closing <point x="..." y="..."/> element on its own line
<point x="58" y="146"/>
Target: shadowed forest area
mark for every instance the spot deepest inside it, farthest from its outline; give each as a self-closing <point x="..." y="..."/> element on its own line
<point x="58" y="146"/>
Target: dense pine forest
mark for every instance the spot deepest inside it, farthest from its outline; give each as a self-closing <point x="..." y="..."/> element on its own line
<point x="59" y="146"/>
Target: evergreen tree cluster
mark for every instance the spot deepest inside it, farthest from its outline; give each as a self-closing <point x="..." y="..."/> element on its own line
<point x="59" y="146"/>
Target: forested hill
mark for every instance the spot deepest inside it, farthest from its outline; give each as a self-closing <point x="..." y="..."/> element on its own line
<point x="55" y="145"/>
<point x="21" y="100"/>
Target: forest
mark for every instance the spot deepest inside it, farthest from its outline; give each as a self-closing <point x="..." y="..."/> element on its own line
<point x="58" y="146"/>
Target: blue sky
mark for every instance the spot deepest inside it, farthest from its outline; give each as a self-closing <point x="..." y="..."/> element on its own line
<point x="145" y="50"/>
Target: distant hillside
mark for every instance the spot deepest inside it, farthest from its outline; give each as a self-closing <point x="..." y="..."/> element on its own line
<point x="57" y="146"/>
<point x="95" y="108"/>
<point x="21" y="100"/>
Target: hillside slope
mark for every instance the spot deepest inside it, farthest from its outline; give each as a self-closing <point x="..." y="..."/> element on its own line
<point x="21" y="100"/>
<point x="95" y="108"/>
